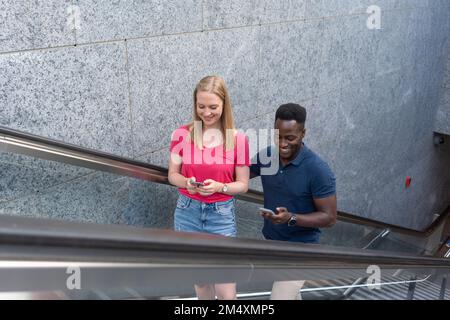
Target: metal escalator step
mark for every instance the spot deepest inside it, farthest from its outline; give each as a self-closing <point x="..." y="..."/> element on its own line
<point x="379" y="294"/>
<point x="386" y="292"/>
<point x="400" y="291"/>
<point x="437" y="288"/>
<point x="396" y="291"/>
<point x="325" y="293"/>
<point x="430" y="292"/>
<point x="427" y="290"/>
<point x="360" y="294"/>
<point x="423" y="291"/>
<point x="393" y="292"/>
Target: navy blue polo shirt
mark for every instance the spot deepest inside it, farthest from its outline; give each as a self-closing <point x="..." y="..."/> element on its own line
<point x="294" y="186"/>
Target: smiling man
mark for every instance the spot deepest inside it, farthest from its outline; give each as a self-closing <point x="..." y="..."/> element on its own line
<point x="302" y="193"/>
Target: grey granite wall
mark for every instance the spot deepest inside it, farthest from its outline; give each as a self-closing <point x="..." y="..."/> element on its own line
<point x="442" y="124"/>
<point x="118" y="77"/>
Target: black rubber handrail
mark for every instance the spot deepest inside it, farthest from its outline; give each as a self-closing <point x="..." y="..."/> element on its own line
<point x="18" y="231"/>
<point x="36" y="254"/>
<point x="146" y="171"/>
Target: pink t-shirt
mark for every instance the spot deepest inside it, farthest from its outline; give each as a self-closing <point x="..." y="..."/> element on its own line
<point x="209" y="163"/>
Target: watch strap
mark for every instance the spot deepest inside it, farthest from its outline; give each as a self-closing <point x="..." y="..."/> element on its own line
<point x="292" y="220"/>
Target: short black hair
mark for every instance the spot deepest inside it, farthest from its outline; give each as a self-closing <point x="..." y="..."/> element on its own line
<point x="291" y="111"/>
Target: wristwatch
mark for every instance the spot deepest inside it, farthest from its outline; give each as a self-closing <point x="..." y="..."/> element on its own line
<point x="292" y="220"/>
<point x="224" y="188"/>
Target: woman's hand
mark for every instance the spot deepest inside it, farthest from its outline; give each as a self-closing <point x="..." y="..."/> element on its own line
<point x="210" y="187"/>
<point x="189" y="187"/>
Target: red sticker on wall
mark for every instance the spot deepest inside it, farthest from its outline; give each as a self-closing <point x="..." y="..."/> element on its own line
<point x="408" y="182"/>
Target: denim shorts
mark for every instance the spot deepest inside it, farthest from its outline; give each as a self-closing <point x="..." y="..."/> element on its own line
<point x="195" y="216"/>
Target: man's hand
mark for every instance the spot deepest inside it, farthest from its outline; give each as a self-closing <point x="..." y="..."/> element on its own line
<point x="280" y="217"/>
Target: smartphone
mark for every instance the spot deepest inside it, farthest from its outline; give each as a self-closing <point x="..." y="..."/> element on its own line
<point x="197" y="184"/>
<point x="266" y="211"/>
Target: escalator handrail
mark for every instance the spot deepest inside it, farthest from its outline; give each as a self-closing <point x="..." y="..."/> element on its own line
<point x="26" y="143"/>
<point x="37" y="255"/>
<point x="18" y="231"/>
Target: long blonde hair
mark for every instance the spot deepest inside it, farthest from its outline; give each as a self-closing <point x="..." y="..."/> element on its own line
<point x="216" y="85"/>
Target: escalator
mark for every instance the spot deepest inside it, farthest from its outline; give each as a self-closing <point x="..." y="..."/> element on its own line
<point x="81" y="224"/>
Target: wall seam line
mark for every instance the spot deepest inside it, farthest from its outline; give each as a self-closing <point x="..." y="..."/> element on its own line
<point x="193" y="32"/>
<point x="130" y="109"/>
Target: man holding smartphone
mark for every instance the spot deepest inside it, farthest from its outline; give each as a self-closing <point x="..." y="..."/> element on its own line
<point x="302" y="193"/>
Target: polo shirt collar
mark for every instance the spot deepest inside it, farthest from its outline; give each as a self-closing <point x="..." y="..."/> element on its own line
<point x="303" y="153"/>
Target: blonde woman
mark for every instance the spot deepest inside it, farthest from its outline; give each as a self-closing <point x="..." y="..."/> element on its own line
<point x="209" y="163"/>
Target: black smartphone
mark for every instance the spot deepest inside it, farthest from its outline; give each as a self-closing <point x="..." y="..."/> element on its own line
<point x="197" y="184"/>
